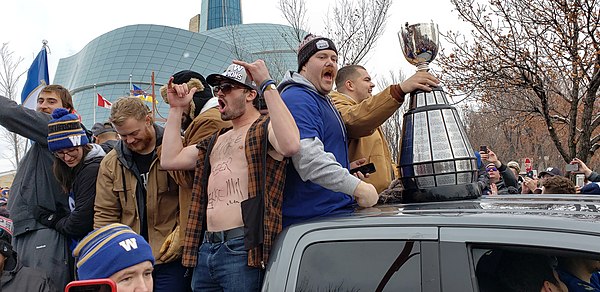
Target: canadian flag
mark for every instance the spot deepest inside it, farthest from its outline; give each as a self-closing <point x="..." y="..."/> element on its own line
<point x="102" y="102"/>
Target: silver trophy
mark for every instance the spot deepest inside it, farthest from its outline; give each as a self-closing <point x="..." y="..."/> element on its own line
<point x="420" y="43"/>
<point x="436" y="161"/>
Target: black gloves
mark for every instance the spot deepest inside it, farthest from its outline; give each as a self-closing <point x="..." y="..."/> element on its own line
<point x="47" y="217"/>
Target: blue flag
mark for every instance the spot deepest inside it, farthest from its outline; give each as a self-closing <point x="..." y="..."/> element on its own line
<point x="37" y="78"/>
<point x="141" y="94"/>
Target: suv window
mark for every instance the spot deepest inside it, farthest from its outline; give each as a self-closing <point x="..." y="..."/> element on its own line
<point x="504" y="269"/>
<point x="360" y="266"/>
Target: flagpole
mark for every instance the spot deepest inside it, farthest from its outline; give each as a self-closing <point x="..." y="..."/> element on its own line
<point x="95" y="105"/>
<point x="153" y="99"/>
<point x="130" y="85"/>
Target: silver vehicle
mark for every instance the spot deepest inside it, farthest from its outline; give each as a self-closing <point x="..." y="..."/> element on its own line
<point x="430" y="246"/>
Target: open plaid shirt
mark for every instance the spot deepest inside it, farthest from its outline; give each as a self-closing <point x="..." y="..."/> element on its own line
<point x="272" y="200"/>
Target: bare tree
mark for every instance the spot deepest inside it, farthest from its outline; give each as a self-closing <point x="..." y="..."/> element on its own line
<point x="392" y="128"/>
<point x="356" y="26"/>
<point x="538" y="60"/>
<point x="249" y="48"/>
<point x="236" y="43"/>
<point x="294" y="12"/>
<point x="9" y="78"/>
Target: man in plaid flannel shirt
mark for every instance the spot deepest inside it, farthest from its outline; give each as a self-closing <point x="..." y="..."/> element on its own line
<point x="235" y="212"/>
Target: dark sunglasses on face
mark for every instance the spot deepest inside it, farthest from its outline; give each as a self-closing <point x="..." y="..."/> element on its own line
<point x="225" y="88"/>
<point x="491" y="169"/>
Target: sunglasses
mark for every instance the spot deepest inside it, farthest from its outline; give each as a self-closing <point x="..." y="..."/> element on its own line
<point x="491" y="169"/>
<point x="72" y="152"/>
<point x="225" y="87"/>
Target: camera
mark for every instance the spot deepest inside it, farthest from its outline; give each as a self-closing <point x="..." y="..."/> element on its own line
<point x="483" y="148"/>
<point x="530" y="174"/>
<point x="571" y="167"/>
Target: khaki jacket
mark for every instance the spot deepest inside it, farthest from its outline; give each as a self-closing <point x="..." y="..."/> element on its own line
<point x="117" y="190"/>
<point x="366" y="138"/>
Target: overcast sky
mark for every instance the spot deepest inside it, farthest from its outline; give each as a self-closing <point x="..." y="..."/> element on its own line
<point x="70" y="25"/>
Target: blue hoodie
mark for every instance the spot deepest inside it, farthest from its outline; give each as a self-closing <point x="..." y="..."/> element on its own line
<point x="318" y="182"/>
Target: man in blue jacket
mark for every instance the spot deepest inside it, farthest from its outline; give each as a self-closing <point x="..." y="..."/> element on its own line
<point x="318" y="182"/>
<point x="35" y="185"/>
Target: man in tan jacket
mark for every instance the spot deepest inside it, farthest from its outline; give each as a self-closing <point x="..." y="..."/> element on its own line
<point x="132" y="189"/>
<point x="364" y="113"/>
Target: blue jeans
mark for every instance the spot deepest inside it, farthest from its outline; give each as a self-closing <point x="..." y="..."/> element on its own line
<point x="223" y="266"/>
<point x="170" y="277"/>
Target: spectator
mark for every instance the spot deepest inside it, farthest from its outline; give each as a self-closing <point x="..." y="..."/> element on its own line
<point x="35" y="185"/>
<point x="238" y="189"/>
<point x="133" y="189"/>
<point x="550" y="172"/>
<point x="199" y="120"/>
<point x="318" y="182"/>
<point x="557" y="185"/>
<point x="579" y="274"/>
<point x="116" y="252"/>
<point x="75" y="167"/>
<point x="364" y="113"/>
<point x="516" y="169"/>
<point x="517" y="271"/>
<point x="501" y="180"/>
<point x="590" y="189"/>
<point x="16" y="277"/>
<point x="105" y="135"/>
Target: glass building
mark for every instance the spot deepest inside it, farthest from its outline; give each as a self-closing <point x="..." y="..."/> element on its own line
<point x="219" y="13"/>
<point x="110" y="64"/>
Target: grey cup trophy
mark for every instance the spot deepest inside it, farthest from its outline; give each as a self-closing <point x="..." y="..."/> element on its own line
<point x="437" y="162"/>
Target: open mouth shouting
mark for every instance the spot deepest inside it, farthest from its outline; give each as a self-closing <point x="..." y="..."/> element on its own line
<point x="222" y="105"/>
<point x="328" y="74"/>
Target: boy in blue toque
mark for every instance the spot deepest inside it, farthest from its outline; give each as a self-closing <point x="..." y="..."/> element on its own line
<point x="117" y="253"/>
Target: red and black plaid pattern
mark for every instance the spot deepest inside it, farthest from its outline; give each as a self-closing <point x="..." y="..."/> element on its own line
<point x="273" y="197"/>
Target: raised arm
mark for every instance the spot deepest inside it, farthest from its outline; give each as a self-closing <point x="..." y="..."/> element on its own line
<point x="26" y="122"/>
<point x="283" y="132"/>
<point x="174" y="156"/>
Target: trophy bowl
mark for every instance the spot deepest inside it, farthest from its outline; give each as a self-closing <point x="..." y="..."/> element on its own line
<point x="419" y="43"/>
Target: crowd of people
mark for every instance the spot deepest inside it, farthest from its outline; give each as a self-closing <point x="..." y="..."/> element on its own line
<point x="497" y="178"/>
<point x="197" y="204"/>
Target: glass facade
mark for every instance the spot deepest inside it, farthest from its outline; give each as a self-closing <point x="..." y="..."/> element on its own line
<point x="223" y="13"/>
<point x="132" y="53"/>
<point x="273" y="43"/>
<point x="108" y="63"/>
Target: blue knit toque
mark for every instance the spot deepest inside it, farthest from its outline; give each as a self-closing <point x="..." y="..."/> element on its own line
<point x="64" y="131"/>
<point x="108" y="250"/>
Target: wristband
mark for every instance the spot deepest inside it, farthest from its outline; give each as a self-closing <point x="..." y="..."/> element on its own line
<point x="265" y="84"/>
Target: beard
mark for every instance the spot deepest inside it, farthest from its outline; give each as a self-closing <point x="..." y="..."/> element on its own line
<point x="143" y="143"/>
<point x="235" y="108"/>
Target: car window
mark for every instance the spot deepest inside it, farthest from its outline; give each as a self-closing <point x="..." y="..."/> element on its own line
<point x="361" y="266"/>
<point x="507" y="267"/>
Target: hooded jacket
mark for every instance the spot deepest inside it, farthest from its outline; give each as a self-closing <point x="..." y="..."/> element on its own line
<point x="17" y="278"/>
<point x="83" y="192"/>
<point x="120" y="196"/>
<point x="318" y="182"/>
<point x="363" y="121"/>
<point x="34" y="184"/>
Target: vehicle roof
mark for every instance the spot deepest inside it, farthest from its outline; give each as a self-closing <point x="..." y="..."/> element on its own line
<point x="569" y="213"/>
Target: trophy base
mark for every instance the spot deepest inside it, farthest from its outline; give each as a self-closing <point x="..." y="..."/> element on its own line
<point x="442" y="193"/>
